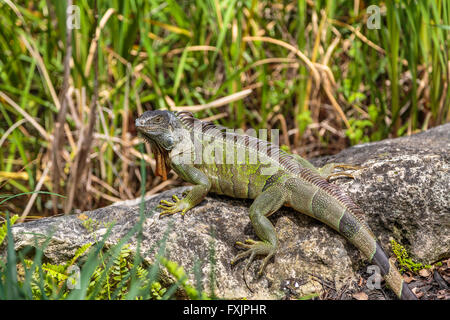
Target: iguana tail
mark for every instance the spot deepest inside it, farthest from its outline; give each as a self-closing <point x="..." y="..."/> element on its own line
<point x="391" y="275"/>
<point x="328" y="203"/>
<point x="360" y="235"/>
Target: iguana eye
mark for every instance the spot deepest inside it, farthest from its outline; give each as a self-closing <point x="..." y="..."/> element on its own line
<point x="157" y="119"/>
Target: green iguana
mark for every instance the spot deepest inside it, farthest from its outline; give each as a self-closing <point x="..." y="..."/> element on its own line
<point x="216" y="160"/>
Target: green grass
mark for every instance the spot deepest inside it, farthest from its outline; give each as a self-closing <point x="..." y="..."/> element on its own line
<point x="94" y="272"/>
<point x="373" y="84"/>
<point x="154" y="54"/>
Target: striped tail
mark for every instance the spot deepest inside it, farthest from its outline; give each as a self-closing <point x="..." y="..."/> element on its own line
<point x="362" y="237"/>
<point x="358" y="233"/>
<point x="391" y="275"/>
<point x="328" y="203"/>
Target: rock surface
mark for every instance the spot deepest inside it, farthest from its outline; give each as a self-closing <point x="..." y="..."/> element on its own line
<point x="404" y="190"/>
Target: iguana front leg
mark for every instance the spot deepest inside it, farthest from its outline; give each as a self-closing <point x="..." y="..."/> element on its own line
<point x="193" y="196"/>
<point x="264" y="205"/>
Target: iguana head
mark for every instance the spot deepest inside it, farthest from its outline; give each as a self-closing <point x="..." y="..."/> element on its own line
<point x="158" y="127"/>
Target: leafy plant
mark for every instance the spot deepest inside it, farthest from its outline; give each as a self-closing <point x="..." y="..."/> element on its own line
<point x="37" y="280"/>
<point x="163" y="54"/>
<point x="105" y="274"/>
<point x="55" y="276"/>
<point x="405" y="262"/>
<point x="357" y="133"/>
<point x="310" y="296"/>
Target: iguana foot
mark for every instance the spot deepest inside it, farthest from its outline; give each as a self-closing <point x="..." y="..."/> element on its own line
<point x="179" y="205"/>
<point x="327" y="170"/>
<point x="339" y="174"/>
<point x="255" y="248"/>
<point x="346" y="166"/>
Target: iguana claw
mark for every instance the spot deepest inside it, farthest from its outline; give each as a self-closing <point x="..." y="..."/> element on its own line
<point x="179" y="205"/>
<point x="327" y="170"/>
<point x="255" y="248"/>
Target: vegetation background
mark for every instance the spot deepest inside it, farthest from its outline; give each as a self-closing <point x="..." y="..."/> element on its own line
<point x="313" y="69"/>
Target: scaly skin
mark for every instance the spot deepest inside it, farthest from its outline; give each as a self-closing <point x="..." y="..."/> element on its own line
<point x="241" y="166"/>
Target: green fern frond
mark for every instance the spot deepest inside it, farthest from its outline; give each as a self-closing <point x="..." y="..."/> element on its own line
<point x="57" y="272"/>
<point x="80" y="251"/>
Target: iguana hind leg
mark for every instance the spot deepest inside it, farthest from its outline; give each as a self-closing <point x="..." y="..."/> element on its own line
<point x="264" y="205"/>
<point x="327" y="171"/>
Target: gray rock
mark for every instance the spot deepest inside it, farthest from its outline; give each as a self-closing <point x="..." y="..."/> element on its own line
<point x="403" y="190"/>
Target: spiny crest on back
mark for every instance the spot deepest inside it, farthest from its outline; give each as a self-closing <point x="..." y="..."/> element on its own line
<point x="206" y="126"/>
<point x="272" y="151"/>
<point x="248" y="141"/>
